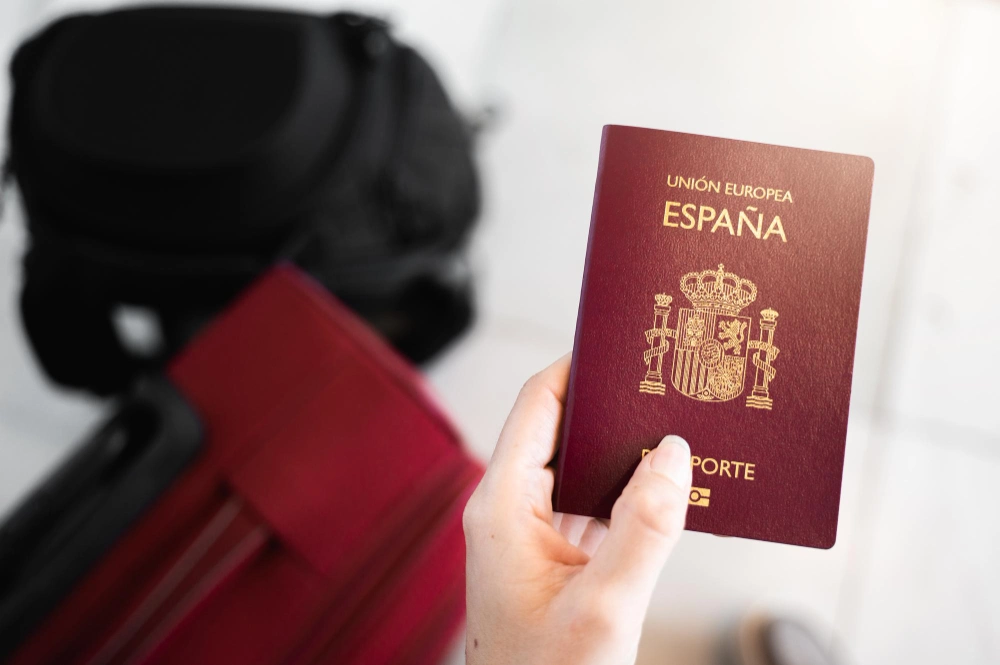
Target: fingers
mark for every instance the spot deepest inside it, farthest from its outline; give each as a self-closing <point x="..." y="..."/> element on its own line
<point x="592" y="538"/>
<point x="517" y="482"/>
<point x="529" y="437"/>
<point x="585" y="533"/>
<point x="646" y="522"/>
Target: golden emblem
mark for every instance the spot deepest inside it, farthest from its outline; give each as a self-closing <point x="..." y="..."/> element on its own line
<point x="712" y="341"/>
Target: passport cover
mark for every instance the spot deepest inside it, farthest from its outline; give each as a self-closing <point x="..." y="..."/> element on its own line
<point x="720" y="302"/>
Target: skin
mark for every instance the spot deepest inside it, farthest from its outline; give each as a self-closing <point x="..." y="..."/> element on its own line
<point x="544" y="587"/>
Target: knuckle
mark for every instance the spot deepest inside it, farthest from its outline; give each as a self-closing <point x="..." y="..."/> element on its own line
<point x="533" y="386"/>
<point x="596" y="618"/>
<point x="657" y="507"/>
<point x="538" y="392"/>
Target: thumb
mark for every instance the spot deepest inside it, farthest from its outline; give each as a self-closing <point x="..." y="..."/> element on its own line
<point x="646" y="522"/>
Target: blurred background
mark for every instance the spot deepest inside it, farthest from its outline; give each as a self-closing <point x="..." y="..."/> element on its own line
<point x="913" y="84"/>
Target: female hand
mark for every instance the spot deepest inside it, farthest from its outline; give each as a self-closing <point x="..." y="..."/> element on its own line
<point x="543" y="587"/>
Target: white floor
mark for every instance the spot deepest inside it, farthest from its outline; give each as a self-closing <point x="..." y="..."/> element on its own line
<point x="912" y="84"/>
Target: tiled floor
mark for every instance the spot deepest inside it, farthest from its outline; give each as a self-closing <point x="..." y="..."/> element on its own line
<point x="911" y="83"/>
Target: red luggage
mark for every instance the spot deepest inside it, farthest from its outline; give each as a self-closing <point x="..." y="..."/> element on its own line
<point x="321" y="523"/>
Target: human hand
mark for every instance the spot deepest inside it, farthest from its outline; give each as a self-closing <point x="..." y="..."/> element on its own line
<point x="544" y="587"/>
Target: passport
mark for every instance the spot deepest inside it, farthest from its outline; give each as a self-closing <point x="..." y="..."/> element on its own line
<point x="720" y="303"/>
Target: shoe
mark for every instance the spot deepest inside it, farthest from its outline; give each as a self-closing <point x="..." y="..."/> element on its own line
<point x="761" y="639"/>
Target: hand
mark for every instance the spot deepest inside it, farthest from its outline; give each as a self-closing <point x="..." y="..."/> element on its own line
<point x="544" y="587"/>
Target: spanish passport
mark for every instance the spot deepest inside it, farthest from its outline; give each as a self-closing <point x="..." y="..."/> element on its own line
<point x="720" y="303"/>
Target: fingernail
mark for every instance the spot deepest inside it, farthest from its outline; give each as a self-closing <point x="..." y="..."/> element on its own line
<point x="673" y="459"/>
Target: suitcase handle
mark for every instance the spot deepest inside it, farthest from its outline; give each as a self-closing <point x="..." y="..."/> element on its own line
<point x="69" y="521"/>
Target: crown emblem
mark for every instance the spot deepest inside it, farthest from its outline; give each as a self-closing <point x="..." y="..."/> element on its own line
<point x="718" y="291"/>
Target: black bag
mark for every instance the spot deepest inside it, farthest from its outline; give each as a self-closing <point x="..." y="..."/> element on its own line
<point x="166" y="156"/>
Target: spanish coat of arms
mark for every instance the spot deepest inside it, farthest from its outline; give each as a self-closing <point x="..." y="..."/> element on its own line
<point x="712" y="341"/>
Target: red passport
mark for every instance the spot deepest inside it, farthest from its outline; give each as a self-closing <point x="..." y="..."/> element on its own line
<point x="720" y="302"/>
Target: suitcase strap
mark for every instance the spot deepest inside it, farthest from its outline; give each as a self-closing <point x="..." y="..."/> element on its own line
<point x="231" y="539"/>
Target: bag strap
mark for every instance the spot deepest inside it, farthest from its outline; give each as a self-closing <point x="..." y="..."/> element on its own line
<point x="6" y="178"/>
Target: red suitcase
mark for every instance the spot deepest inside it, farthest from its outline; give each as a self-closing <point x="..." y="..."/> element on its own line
<point x="321" y="524"/>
